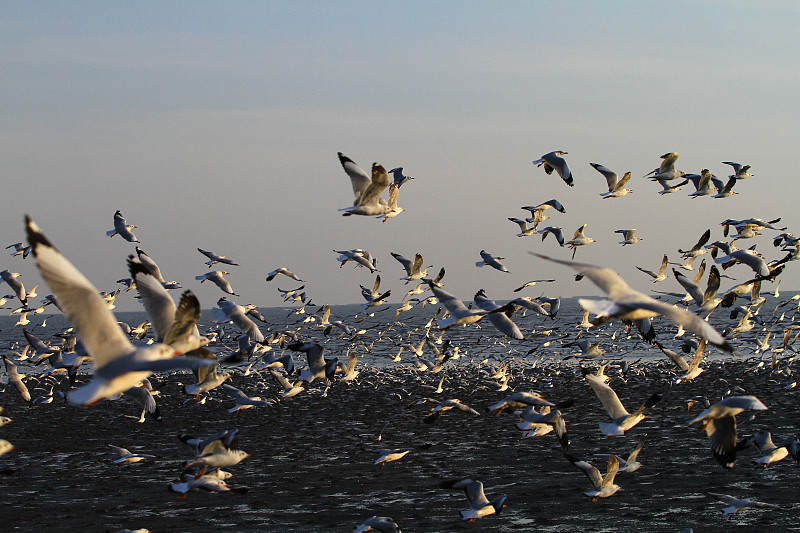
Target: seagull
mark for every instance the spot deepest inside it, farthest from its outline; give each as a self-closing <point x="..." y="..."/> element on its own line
<point x="666" y="188"/>
<point x="398" y="177"/>
<point x="660" y="275"/>
<point x="317" y="366"/>
<point x="629" y="234"/>
<point x="218" y="455"/>
<point x="285" y="271"/>
<point x="697" y="249"/>
<point x="616" y="186"/>
<point x="627" y="303"/>
<point x="727" y="191"/>
<point x="737" y="504"/>
<point x="19" y="249"/>
<point x="367" y="190"/>
<point x="230" y="311"/>
<point x="751" y="259"/>
<point x="15" y="378"/>
<point x="578" y="239"/>
<point x="604" y="486"/>
<point x="118" y="365"/>
<point x="706" y="183"/>
<point x="122" y="228"/>
<point x="519" y="400"/>
<point x="554" y="161"/>
<point x="533" y="282"/>
<point x="480" y="506"/>
<point x="498" y="319"/>
<point x="201" y="483"/>
<point x="19" y="289"/>
<point x="691" y="370"/>
<point x="381" y="524"/>
<point x="666" y="171"/>
<point x="216" y="277"/>
<point x="536" y="423"/>
<point x="524" y="230"/>
<point x="740" y="172"/>
<point x="214" y="258"/>
<point x="537" y="211"/>
<point x="557" y="234"/>
<point x="719" y="423"/>
<point x="413" y="269"/>
<point x="447" y="405"/>
<point x="631" y="464"/>
<point x="361" y="257"/>
<point x="243" y="401"/>
<point x="623" y="420"/>
<point x="770" y="453"/>
<point x="373" y="296"/>
<point x="492" y="261"/>
<point x="150" y="265"/>
<point x="125" y="456"/>
<point x="704" y="300"/>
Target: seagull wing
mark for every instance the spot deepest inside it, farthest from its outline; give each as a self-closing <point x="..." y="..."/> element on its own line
<point x="358" y="178"/>
<point x="80" y="301"/>
<point x="607" y="397"/>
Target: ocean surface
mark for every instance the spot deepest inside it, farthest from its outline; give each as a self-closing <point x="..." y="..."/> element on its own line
<point x="381" y="335"/>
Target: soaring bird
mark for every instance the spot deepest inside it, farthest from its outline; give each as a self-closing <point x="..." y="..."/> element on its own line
<point x="627" y="303"/>
<point x="367" y="190"/>
<point x="479" y="504"/>
<point x="122" y="228"/>
<point x="666" y="171"/>
<point x="616" y="186"/>
<point x="413" y="269"/>
<point x="217" y="278"/>
<point x="554" y="161"/>
<point x="578" y="239"/>
<point x="492" y="261"/>
<point x="622" y="419"/>
<point x="719" y="423"/>
<point x="629" y="236"/>
<point x="285" y="271"/>
<point x="604" y="485"/>
<point x="657" y="276"/>
<point x="214" y="258"/>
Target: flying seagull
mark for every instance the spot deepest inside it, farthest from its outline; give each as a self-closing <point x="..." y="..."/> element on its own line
<point x="554" y="161"/>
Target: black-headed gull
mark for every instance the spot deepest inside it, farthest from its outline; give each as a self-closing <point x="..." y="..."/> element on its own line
<point x="479" y="504"/>
<point x="554" y="161"/>
<point x="625" y="302"/>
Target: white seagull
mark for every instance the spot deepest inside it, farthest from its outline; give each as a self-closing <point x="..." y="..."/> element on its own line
<point x="492" y="261"/>
<point x="627" y="303"/>
<point x="122" y="228"/>
<point x="367" y="190"/>
<point x="616" y="186"/>
<point x="479" y="504"/>
<point x="214" y="258"/>
<point x="622" y="419"/>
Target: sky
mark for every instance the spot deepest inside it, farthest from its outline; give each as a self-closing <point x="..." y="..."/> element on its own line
<point x="216" y="125"/>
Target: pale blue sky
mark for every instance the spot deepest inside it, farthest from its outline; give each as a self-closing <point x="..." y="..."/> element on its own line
<point x="216" y="125"/>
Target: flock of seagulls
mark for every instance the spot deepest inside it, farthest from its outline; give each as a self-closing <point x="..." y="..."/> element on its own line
<point x="173" y="342"/>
